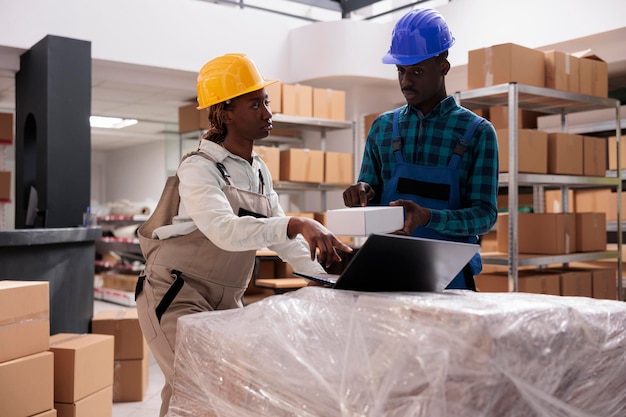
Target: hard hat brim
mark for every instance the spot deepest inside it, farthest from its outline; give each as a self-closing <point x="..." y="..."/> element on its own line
<point x="256" y="87"/>
<point x="406" y="60"/>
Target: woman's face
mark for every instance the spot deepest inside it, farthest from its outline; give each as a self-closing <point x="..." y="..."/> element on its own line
<point x="251" y="116"/>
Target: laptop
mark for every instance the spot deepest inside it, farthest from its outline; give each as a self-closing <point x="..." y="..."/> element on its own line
<point x="389" y="262"/>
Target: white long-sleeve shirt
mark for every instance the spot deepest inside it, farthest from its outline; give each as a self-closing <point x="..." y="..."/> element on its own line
<point x="204" y="206"/>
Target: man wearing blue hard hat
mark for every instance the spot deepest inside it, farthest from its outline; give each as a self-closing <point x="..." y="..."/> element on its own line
<point x="433" y="157"/>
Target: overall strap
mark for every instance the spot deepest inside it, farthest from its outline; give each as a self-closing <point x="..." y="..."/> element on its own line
<point x="464" y="142"/>
<point x="219" y="165"/>
<point x="396" y="140"/>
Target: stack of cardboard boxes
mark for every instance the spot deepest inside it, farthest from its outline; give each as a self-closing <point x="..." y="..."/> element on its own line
<point x="131" y="364"/>
<point x="26" y="364"/>
<point x="83" y="374"/>
<point x="66" y="374"/>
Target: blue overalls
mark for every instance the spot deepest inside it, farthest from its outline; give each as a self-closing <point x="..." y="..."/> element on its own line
<point x="434" y="188"/>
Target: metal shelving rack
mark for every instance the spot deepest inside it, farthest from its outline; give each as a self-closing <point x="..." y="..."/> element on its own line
<point x="519" y="96"/>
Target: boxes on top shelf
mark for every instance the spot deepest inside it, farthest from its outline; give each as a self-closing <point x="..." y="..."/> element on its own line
<point x="274" y="93"/>
<point x="297" y="100"/>
<point x="329" y="104"/>
<point x="504" y="63"/>
<point x="562" y="71"/>
<point x="593" y="75"/>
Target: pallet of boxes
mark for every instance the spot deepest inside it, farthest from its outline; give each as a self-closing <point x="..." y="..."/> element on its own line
<point x="579" y="227"/>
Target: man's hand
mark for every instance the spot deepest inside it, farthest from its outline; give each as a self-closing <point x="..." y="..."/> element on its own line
<point x="357" y="195"/>
<point x="416" y="215"/>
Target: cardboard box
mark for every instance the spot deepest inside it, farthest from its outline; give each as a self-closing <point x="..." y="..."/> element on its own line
<point x="6" y="128"/>
<point x="49" y="413"/>
<point x="574" y="282"/>
<point x="594" y="156"/>
<point x="553" y="201"/>
<point x="529" y="281"/>
<point x="612" y="154"/>
<point x="505" y="63"/>
<point x="24" y="318"/>
<point x="271" y="156"/>
<point x="275" y="95"/>
<point x="5" y="186"/>
<point x="526" y="119"/>
<point x="338" y="168"/>
<point x="302" y="165"/>
<point x="190" y="119"/>
<point x="123" y="282"/>
<point x="591" y="232"/>
<point x="363" y="221"/>
<point x="124" y="325"/>
<point x="565" y="154"/>
<point x="130" y="380"/>
<point x="593" y="74"/>
<point x="329" y="104"/>
<point x="98" y="404"/>
<point x="83" y="365"/>
<point x="540" y="233"/>
<point x="562" y="71"/>
<point x="26" y="385"/>
<point x="368" y="120"/>
<point x="611" y="209"/>
<point x="594" y="200"/>
<point x="603" y="283"/>
<point x="297" y="100"/>
<point x="532" y="151"/>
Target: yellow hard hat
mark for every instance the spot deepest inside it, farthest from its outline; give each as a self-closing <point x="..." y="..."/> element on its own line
<point x="228" y="76"/>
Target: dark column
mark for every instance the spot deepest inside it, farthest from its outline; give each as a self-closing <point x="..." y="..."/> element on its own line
<point x="53" y="138"/>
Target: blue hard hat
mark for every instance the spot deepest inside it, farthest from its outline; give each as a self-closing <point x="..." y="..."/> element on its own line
<point x="418" y="35"/>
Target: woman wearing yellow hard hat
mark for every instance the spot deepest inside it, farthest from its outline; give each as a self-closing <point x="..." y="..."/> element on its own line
<point x="200" y="242"/>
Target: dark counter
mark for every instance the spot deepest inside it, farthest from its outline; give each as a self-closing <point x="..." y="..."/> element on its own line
<point x="65" y="257"/>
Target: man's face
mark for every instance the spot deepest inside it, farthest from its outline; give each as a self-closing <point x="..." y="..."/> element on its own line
<point x="422" y="84"/>
<point x="251" y="116"/>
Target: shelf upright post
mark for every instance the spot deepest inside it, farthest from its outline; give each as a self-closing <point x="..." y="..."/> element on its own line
<point x="323" y="149"/>
<point x="618" y="132"/>
<point x="513" y="104"/>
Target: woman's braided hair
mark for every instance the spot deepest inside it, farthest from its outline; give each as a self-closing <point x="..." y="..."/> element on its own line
<point x="217" y="122"/>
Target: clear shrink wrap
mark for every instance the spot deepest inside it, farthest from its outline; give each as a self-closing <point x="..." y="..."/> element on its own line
<point x="319" y="352"/>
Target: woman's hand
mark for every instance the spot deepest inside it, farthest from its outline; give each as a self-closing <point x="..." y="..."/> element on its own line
<point x="321" y="241"/>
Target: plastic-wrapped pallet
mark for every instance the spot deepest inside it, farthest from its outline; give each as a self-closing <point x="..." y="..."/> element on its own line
<point x="322" y="352"/>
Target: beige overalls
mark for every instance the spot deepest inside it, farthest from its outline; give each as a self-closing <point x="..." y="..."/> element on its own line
<point x="189" y="274"/>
